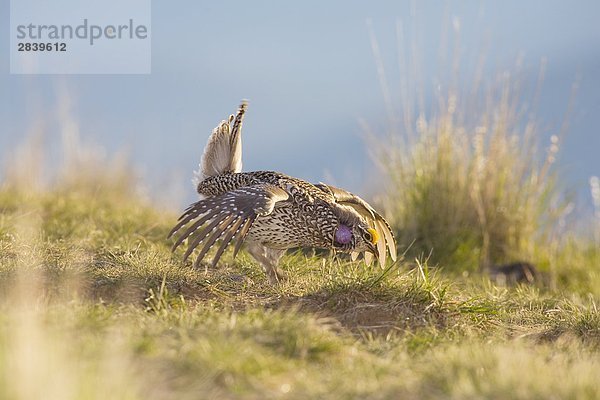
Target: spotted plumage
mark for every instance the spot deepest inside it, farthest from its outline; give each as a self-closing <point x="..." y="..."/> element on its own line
<point x="271" y="211"/>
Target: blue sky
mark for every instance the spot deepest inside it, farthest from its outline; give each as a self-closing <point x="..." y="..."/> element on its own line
<point x="310" y="75"/>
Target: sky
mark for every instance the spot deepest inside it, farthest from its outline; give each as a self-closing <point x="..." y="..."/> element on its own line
<point x="310" y="75"/>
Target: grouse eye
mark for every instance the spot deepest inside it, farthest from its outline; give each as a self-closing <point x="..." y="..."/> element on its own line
<point x="372" y="236"/>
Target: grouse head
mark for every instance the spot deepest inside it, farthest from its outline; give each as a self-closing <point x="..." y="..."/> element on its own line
<point x="352" y="233"/>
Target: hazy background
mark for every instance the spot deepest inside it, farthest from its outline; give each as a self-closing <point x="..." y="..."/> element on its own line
<point x="310" y="75"/>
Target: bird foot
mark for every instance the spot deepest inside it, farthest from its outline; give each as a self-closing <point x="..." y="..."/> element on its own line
<point x="276" y="275"/>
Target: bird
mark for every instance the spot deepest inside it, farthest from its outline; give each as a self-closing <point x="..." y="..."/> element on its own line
<point x="514" y="273"/>
<point x="271" y="212"/>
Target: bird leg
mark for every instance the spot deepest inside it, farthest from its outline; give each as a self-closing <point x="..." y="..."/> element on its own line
<point x="268" y="259"/>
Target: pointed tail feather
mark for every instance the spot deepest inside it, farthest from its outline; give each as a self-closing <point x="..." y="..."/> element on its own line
<point x="223" y="152"/>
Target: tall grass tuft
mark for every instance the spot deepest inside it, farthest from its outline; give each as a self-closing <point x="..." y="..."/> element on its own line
<point x="467" y="181"/>
<point x="595" y="190"/>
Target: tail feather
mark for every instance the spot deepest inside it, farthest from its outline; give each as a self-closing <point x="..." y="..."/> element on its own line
<point x="223" y="152"/>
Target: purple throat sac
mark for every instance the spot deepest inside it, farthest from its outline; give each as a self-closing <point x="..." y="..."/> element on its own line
<point x="343" y="234"/>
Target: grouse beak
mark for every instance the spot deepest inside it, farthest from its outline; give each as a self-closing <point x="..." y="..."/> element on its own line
<point x="373" y="249"/>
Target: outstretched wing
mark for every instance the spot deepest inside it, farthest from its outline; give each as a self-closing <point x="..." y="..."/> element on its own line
<point x="228" y="216"/>
<point x="373" y="217"/>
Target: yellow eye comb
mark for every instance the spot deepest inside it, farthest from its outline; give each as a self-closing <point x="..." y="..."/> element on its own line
<point x="374" y="235"/>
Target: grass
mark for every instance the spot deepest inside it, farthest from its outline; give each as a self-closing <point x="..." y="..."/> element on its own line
<point x="94" y="305"/>
<point x="466" y="179"/>
<point x="475" y="191"/>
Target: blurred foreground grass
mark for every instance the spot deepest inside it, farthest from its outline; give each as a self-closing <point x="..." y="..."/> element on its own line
<point x="94" y="305"/>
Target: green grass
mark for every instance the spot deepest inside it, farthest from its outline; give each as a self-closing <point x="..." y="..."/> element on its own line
<point x="94" y="305"/>
<point x="473" y="190"/>
<point x="469" y="178"/>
